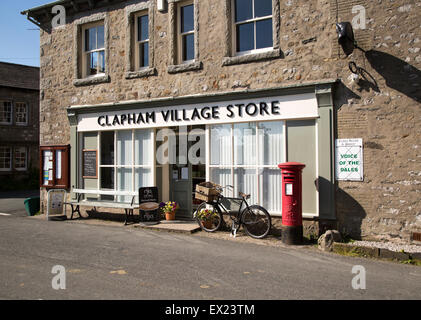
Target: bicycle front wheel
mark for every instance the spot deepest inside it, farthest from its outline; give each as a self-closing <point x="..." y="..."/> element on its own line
<point x="256" y="221"/>
<point x="211" y="225"/>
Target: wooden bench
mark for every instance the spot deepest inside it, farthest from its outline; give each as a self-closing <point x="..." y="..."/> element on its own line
<point x="128" y="207"/>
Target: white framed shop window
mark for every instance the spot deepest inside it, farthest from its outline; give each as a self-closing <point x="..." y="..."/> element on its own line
<point x="125" y="161"/>
<point x="246" y="156"/>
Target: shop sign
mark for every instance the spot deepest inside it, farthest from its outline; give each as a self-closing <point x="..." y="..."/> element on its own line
<point x="349" y="159"/>
<point x="260" y="109"/>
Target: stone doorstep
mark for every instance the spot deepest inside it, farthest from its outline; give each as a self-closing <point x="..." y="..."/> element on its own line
<point x="172" y="226"/>
<point x="374" y="252"/>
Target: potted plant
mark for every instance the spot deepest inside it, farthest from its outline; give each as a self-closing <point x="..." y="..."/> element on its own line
<point x="206" y="216"/>
<point x="169" y="208"/>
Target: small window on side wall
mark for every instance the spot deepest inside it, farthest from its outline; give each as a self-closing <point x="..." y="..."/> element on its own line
<point x="55" y="166"/>
<point x="252" y="26"/>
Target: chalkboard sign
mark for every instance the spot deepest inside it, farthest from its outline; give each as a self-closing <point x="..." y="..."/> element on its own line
<point x="149" y="194"/>
<point x="90" y="164"/>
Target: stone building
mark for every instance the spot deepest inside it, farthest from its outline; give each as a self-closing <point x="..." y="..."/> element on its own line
<point x="264" y="81"/>
<point x="19" y="125"/>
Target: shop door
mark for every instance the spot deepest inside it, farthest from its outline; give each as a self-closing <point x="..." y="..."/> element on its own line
<point x="181" y="181"/>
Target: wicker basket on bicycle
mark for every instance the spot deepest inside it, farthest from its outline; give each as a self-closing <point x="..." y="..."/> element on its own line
<point x="207" y="191"/>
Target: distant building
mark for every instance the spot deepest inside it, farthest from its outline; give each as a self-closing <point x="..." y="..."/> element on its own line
<point x="19" y="124"/>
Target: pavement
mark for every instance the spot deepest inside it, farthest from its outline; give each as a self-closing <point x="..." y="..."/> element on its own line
<point x="111" y="261"/>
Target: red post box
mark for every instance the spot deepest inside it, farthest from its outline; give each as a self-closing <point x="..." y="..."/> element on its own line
<point x="292" y="216"/>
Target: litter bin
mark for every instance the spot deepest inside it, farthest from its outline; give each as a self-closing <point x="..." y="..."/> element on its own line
<point x="32" y="205"/>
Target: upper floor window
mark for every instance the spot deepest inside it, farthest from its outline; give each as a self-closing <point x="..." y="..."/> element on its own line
<point x="186" y="32"/>
<point x="142" y="41"/>
<point x="252" y="25"/>
<point x="94" y="50"/>
<point x="184" y="36"/>
<point x="21" y="113"/>
<point x="91" y="48"/>
<point x="5" y="158"/>
<point x="5" y="112"/>
<point x="20" y="158"/>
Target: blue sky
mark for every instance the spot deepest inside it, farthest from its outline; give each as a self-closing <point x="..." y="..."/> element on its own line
<point x="20" y="43"/>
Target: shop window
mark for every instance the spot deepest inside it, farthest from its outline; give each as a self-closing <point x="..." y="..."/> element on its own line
<point x="5" y="158"/>
<point x="20" y="158"/>
<point x="252" y="25"/>
<point x="55" y="166"/>
<point x="21" y="112"/>
<point x="130" y="167"/>
<point x="5" y="112"/>
<point x="246" y="156"/>
<point x="94" y="50"/>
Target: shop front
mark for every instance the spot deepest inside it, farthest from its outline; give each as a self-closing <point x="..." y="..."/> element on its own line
<point x="233" y="139"/>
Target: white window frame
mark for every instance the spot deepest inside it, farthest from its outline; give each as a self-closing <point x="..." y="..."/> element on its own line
<point x="17" y="113"/>
<point x="15" y="149"/>
<point x="3" y="102"/>
<point x="132" y="166"/>
<point x="87" y="53"/>
<point x="10" y="157"/>
<point x="234" y="193"/>
<point x="138" y="43"/>
<point x="181" y="35"/>
<point x="253" y="20"/>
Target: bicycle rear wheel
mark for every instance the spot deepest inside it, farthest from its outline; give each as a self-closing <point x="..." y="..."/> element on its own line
<point x="256" y="221"/>
<point x="215" y="223"/>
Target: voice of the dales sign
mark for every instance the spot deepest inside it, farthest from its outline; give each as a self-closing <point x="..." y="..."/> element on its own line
<point x="349" y="159"/>
<point x="260" y="109"/>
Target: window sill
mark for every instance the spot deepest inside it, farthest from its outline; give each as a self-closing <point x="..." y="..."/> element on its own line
<point x="253" y="57"/>
<point x="91" y="80"/>
<point x="192" y="66"/>
<point x="140" y="73"/>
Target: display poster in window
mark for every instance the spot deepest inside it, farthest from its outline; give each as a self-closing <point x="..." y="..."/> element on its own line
<point x="48" y="167"/>
<point x="349" y="159"/>
<point x="90" y="164"/>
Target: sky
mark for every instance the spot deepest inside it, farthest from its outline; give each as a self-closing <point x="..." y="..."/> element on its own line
<point x="20" y="37"/>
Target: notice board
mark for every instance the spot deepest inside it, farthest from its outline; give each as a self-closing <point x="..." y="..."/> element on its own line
<point x="349" y="159"/>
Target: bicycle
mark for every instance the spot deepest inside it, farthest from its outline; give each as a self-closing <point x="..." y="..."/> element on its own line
<point x="255" y="219"/>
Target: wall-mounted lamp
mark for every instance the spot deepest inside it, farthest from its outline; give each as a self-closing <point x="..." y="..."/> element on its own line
<point x="346" y="37"/>
<point x="161" y="5"/>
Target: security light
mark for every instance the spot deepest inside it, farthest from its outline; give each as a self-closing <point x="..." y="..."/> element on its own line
<point x="346" y="37"/>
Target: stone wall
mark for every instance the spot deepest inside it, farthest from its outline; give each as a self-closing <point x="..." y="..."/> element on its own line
<point x="383" y="108"/>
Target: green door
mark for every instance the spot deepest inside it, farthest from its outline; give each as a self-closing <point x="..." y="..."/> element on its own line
<point x="181" y="178"/>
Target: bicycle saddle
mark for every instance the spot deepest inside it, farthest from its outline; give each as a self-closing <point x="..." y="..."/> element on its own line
<point x="244" y="195"/>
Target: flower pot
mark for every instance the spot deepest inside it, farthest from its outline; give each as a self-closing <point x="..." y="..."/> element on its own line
<point x="207" y="224"/>
<point x="170" y="215"/>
